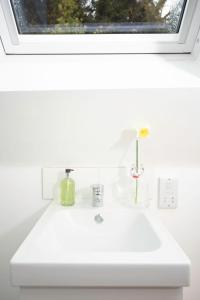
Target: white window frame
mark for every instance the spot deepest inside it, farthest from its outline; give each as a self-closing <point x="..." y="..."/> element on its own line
<point x="183" y="42"/>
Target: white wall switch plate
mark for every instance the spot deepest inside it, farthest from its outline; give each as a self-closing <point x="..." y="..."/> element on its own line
<point x="167" y="193"/>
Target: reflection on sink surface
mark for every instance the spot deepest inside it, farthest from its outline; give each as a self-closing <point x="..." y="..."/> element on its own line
<point x="125" y="230"/>
<point x="130" y="248"/>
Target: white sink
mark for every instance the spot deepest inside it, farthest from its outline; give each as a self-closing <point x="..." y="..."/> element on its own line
<point x="130" y="248"/>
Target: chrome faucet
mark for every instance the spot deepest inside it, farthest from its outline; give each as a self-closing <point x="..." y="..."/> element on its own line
<point x="97" y="195"/>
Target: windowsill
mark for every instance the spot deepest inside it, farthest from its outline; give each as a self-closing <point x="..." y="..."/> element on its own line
<point x="94" y="72"/>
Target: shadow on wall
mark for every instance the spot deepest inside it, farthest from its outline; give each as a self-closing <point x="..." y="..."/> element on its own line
<point x="9" y="243"/>
<point x="124" y="143"/>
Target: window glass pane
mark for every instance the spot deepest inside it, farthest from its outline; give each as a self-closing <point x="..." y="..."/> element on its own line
<point x="98" y="16"/>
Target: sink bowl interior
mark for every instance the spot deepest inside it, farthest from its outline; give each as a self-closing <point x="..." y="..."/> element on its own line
<point x="75" y="230"/>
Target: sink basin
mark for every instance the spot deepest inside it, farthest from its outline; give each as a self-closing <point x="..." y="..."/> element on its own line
<point x="128" y="248"/>
<point x="77" y="232"/>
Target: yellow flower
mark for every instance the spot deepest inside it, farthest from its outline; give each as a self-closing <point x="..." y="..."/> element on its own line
<point x="143" y="132"/>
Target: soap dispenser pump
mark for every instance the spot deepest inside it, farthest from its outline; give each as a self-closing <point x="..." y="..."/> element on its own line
<point x="67" y="189"/>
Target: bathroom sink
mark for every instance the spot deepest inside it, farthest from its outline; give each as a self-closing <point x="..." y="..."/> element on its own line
<point x="99" y="247"/>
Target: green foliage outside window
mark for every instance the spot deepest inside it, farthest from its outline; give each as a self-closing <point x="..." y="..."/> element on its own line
<point x="57" y="15"/>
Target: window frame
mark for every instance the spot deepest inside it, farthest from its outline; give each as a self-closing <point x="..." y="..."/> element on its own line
<point x="182" y="42"/>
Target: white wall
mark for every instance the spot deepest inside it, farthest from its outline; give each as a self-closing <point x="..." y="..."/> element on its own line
<point x="90" y="128"/>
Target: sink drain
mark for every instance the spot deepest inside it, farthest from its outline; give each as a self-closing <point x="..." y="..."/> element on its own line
<point x="98" y="219"/>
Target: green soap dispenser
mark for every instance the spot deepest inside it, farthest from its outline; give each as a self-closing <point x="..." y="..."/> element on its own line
<point x="67" y="190"/>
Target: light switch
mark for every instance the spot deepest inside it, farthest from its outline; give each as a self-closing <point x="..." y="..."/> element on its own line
<point x="167" y="193"/>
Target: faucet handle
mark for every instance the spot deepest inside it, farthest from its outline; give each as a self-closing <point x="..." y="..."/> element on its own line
<point x="97" y="195"/>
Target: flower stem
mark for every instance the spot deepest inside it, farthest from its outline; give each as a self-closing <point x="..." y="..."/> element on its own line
<point x="136" y="191"/>
<point x="137" y="170"/>
<point x="137" y="155"/>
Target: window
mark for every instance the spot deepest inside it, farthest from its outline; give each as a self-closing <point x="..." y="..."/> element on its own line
<point x="98" y="17"/>
<point x="99" y="26"/>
